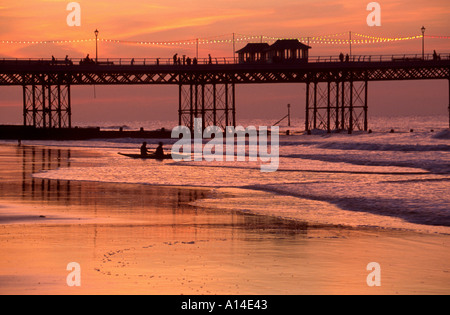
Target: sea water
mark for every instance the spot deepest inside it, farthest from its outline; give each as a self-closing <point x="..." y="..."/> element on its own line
<point x="383" y="179"/>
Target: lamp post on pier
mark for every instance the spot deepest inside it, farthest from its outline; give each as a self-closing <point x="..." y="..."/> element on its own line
<point x="96" y="45"/>
<point x="423" y="42"/>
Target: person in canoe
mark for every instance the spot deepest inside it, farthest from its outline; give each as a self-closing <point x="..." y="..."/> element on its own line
<point x="159" y="153"/>
<point x="144" y="150"/>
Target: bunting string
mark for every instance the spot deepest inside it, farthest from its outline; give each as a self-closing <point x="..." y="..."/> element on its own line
<point x="331" y="39"/>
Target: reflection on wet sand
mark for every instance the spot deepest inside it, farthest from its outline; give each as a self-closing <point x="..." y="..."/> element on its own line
<point x="49" y="159"/>
<point x="34" y="160"/>
<point x="139" y="202"/>
<point x="151" y="240"/>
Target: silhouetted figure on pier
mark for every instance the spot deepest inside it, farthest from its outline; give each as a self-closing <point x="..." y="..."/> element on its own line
<point x="194" y="61"/>
<point x="209" y="59"/>
<point x="436" y="56"/>
<point x="87" y="61"/>
<point x="347" y="58"/>
<point x="132" y="62"/>
<point x="175" y="59"/>
<point x="341" y="57"/>
<point x="188" y="61"/>
<point x="144" y="150"/>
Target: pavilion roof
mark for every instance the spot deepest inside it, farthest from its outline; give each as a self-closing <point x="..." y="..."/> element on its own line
<point x="288" y="44"/>
<point x="254" y="48"/>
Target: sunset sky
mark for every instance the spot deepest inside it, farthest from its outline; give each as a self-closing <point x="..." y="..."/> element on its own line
<point x="156" y="20"/>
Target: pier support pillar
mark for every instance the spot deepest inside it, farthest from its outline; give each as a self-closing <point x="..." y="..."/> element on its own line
<point x="47" y="106"/>
<point x="334" y="106"/>
<point x="215" y="104"/>
<point x="307" y="125"/>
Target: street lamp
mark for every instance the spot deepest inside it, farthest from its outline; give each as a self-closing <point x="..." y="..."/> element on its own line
<point x="423" y="42"/>
<point x="96" y="45"/>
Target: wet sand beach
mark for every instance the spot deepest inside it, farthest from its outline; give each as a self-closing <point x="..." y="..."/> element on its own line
<point x="141" y="239"/>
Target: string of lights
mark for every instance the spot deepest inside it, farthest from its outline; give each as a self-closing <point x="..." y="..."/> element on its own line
<point x="436" y="36"/>
<point x="388" y="39"/>
<point x="330" y="39"/>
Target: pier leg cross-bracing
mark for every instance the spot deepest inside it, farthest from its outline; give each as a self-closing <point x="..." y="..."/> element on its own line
<point x="47" y="106"/>
<point x="337" y="105"/>
<point x="214" y="103"/>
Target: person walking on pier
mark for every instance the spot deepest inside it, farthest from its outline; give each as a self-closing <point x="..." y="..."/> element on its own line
<point x="175" y="59"/>
<point x="341" y="57"/>
<point x="436" y="56"/>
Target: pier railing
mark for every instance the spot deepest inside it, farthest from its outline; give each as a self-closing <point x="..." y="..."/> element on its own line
<point x="217" y="61"/>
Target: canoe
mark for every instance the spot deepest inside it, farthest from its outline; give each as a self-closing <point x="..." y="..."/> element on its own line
<point x="150" y="156"/>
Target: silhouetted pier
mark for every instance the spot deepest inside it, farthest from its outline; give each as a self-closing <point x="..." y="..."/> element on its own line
<point x="8" y="132"/>
<point x="336" y="89"/>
